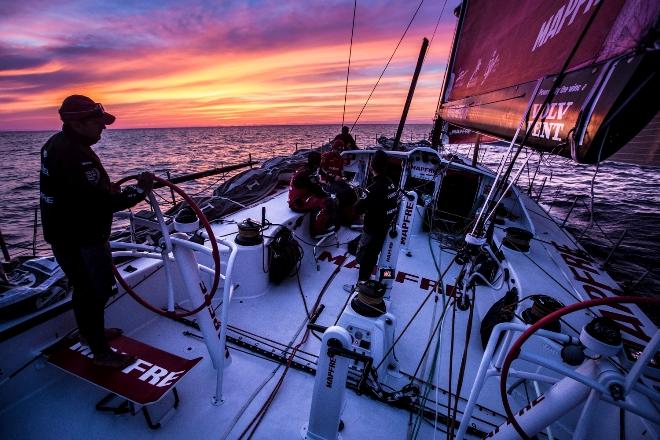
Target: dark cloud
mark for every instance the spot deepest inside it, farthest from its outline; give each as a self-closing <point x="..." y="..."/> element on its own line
<point x="10" y="59"/>
<point x="12" y="8"/>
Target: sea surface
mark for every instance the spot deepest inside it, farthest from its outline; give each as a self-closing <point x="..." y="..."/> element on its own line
<point x="626" y="198"/>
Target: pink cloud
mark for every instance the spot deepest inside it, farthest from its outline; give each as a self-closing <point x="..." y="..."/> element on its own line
<point x="223" y="62"/>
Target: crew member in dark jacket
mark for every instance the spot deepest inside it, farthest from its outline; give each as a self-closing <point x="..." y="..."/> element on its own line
<point x="307" y="195"/>
<point x="347" y="139"/>
<point x="77" y="201"/>
<point x="379" y="208"/>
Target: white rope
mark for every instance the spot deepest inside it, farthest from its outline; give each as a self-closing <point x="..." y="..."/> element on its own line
<point x="500" y="168"/>
<point x="508" y="188"/>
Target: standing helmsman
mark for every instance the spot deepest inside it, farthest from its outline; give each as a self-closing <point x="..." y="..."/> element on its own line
<point x="379" y="208"/>
<point x="77" y="203"/>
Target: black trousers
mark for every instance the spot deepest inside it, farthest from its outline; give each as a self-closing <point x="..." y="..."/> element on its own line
<point x="89" y="270"/>
<point x="367" y="254"/>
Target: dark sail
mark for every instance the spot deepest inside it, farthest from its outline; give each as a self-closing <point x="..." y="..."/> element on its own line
<point x="503" y="49"/>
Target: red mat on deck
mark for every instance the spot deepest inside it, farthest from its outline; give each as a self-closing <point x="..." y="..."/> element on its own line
<point x="146" y="381"/>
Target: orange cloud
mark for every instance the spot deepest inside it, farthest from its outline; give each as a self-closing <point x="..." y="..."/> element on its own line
<point x="179" y="82"/>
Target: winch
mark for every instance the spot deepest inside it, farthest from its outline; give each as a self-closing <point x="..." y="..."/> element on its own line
<point x="249" y="233"/>
<point x="369" y="299"/>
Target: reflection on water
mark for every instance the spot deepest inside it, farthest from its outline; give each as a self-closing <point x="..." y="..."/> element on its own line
<point x="626" y="196"/>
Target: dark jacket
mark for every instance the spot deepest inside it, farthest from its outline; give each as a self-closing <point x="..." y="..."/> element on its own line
<point x="380" y="205"/>
<point x="348" y="140"/>
<point x="76" y="197"/>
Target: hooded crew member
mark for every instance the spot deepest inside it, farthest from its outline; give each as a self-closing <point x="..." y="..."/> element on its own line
<point x="379" y="208"/>
<point x="307" y="195"/>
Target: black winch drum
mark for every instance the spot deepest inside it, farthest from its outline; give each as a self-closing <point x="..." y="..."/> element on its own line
<point x="369" y="300"/>
<point x="249" y="233"/>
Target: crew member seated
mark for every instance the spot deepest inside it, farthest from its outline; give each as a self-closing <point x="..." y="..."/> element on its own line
<point x="347" y="139"/>
<point x="332" y="164"/>
<point x="332" y="168"/>
<point x="307" y="195"/>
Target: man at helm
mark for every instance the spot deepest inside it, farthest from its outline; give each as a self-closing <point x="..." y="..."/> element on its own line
<point x="77" y="201"/>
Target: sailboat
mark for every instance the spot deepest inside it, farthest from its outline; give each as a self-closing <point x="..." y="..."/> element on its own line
<point x="484" y="318"/>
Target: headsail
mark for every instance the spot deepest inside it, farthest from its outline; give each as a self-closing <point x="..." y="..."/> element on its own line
<point x="503" y="49"/>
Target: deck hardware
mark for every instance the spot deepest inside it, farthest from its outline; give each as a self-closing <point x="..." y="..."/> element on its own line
<point x="616" y="391"/>
<point x="463" y="303"/>
<point x="329" y="386"/>
<point x="573" y="354"/>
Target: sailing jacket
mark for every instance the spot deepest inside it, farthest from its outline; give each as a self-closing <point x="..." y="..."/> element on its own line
<point x="303" y="185"/>
<point x="77" y="198"/>
<point x="348" y="141"/>
<point x="332" y="164"/>
<point x="379" y="207"/>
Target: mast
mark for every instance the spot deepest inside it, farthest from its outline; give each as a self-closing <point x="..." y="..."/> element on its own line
<point x="411" y="92"/>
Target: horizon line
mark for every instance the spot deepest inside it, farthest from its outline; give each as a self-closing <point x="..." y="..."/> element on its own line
<point x="221" y="126"/>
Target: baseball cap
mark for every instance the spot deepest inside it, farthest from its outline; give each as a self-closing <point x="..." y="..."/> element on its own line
<point x="79" y="107"/>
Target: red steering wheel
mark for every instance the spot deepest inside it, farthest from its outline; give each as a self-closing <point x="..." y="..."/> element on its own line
<point x="515" y="348"/>
<point x="215" y="254"/>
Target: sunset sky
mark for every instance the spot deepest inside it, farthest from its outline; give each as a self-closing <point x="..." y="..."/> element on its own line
<point x="172" y="63"/>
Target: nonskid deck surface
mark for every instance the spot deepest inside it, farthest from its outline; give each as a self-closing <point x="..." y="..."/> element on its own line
<point x="63" y="407"/>
<point x="277" y="315"/>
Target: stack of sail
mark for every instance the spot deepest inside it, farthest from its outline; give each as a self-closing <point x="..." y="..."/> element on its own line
<point x="507" y="55"/>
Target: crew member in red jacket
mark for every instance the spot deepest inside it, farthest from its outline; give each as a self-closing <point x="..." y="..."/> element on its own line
<point x="332" y="164"/>
<point x="307" y="195"/>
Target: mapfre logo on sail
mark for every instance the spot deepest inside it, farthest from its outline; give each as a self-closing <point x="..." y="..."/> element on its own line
<point x="561" y="19"/>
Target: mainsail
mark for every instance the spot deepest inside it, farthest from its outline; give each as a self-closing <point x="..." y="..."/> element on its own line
<point x="507" y="56"/>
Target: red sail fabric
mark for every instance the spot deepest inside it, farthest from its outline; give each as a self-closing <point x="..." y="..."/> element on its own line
<point x="460" y="135"/>
<point x="508" y="42"/>
<point x="505" y="49"/>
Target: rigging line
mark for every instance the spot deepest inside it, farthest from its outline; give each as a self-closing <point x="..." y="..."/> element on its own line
<point x="461" y="372"/>
<point x="257" y="390"/>
<point x="451" y="362"/>
<point x="551" y="93"/>
<point x="388" y="63"/>
<point x="431" y="292"/>
<point x="348" y="70"/>
<point x="440" y="288"/>
<point x="600" y="228"/>
<point x="593" y="182"/>
<point x="437" y="23"/>
<point x="430" y="341"/>
<point x="434" y="367"/>
<point x="258" y="418"/>
<point x="505" y="192"/>
<point x="492" y="191"/>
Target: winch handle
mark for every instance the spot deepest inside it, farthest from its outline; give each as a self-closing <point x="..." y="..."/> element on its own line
<point x="552" y="317"/>
<point x="215" y="254"/>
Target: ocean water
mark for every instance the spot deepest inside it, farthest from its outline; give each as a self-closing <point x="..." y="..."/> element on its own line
<point x="626" y="199"/>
